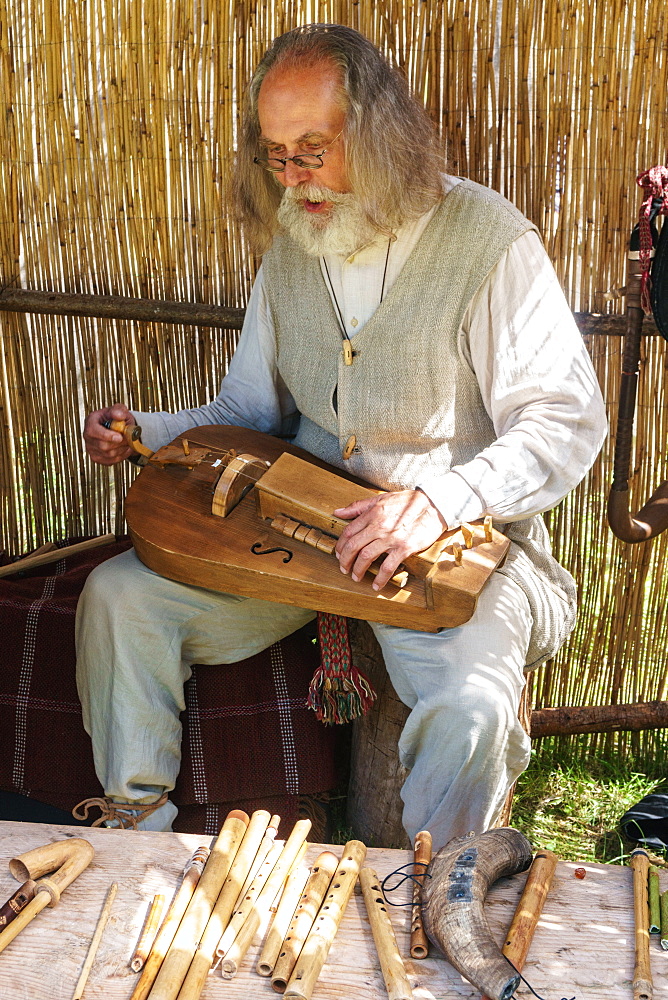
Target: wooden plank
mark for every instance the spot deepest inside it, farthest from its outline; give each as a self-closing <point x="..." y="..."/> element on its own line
<point x="583" y="945"/>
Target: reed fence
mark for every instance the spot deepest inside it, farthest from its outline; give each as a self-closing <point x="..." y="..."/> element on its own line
<point x="117" y="133"/>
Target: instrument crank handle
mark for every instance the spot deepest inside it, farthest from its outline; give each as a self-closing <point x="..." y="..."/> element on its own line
<point x="132" y="435"/>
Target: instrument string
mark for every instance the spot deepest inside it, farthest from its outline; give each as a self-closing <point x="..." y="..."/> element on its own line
<point x="231" y="455"/>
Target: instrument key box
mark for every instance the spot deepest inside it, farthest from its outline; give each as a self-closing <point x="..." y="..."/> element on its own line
<point x="302" y="491"/>
<point x="294" y="488"/>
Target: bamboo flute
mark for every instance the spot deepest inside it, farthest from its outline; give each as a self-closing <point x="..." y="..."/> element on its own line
<point x="171" y="923"/>
<point x="235" y="954"/>
<point x="200" y="967"/>
<point x="173" y="970"/>
<point x="294" y="888"/>
<point x="642" y="974"/>
<point x="391" y="963"/>
<point x="95" y="942"/>
<point x="149" y="931"/>
<point x="302" y="921"/>
<point x="654" y="893"/>
<point x="275" y="880"/>
<point x="316" y="947"/>
<point x="254" y="890"/>
<point x="260" y="857"/>
<point x="419" y="945"/>
<point x="522" y="927"/>
<point x="664" y="920"/>
<point x="28" y="913"/>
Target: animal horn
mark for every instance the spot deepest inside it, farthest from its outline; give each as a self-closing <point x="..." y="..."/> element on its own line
<point x="453" y="913"/>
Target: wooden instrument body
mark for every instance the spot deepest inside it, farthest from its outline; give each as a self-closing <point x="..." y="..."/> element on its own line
<point x="174" y="533"/>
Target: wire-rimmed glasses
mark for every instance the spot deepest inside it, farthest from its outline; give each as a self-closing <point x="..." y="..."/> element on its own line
<point x="308" y="161"/>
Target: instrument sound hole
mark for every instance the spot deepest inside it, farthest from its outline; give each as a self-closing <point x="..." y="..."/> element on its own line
<point x="257" y="550"/>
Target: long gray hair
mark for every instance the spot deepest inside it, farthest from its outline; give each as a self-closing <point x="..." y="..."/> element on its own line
<point x="393" y="155"/>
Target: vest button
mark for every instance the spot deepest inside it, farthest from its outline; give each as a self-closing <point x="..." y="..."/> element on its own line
<point x="350" y="446"/>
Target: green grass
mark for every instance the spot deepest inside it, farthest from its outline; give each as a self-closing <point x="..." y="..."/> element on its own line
<point x="570" y="799"/>
<point x="571" y="804"/>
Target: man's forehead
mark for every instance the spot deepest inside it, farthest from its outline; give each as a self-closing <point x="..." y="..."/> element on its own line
<point x="310" y="136"/>
<point x="301" y="98"/>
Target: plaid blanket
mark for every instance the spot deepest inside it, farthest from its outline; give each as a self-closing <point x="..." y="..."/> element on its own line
<point x="249" y="740"/>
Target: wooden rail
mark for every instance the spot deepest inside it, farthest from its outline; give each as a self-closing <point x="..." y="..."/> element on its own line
<point x="125" y="307"/>
<point x="598" y="718"/>
<point x="26" y="300"/>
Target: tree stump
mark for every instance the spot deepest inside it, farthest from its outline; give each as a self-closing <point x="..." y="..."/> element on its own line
<point x="374" y="807"/>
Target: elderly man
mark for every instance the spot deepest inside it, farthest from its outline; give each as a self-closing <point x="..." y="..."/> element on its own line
<point x="406" y="326"/>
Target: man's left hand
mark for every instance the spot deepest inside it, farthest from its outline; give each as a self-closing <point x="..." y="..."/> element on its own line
<point x="399" y="524"/>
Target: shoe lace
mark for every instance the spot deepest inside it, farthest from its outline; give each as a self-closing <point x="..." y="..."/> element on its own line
<point x="126" y="814"/>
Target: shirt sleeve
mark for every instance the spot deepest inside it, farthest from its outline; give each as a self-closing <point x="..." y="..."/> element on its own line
<point x="539" y="388"/>
<point x="252" y="394"/>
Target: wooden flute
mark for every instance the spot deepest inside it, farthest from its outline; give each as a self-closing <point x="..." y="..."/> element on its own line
<point x="316" y="947"/>
<point x="261" y="856"/>
<point x="167" y="932"/>
<point x="235" y="954"/>
<point x="290" y="898"/>
<point x="391" y="963"/>
<point x="529" y="908"/>
<point x="147" y="936"/>
<point x="195" y="978"/>
<point x="419" y="946"/>
<point x="302" y="921"/>
<point x="182" y="949"/>
<point x="643" y="988"/>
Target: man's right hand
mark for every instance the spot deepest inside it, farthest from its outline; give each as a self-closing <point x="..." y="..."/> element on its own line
<point x="104" y="446"/>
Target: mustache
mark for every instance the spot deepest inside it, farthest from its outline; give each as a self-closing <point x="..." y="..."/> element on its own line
<point x="316" y="192"/>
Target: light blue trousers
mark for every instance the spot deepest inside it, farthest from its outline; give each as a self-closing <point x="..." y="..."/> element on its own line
<point x="138" y="635"/>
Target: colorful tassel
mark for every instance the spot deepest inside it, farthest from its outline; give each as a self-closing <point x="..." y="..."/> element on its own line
<point x="338" y="692"/>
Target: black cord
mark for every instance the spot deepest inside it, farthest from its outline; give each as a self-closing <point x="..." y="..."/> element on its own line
<point x="344" y="333"/>
<point x="416" y="878"/>
<point x="525" y="981"/>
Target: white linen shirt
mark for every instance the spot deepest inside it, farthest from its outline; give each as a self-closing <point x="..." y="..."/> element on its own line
<point x="518" y="335"/>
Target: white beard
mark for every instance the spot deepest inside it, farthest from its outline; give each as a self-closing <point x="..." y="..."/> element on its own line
<point x="343" y="229"/>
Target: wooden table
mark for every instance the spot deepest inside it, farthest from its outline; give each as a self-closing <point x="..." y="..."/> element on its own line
<point x="583" y="946"/>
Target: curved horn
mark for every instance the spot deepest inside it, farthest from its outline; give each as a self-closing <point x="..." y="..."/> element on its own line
<point x="453" y="898"/>
<point x="652" y="519"/>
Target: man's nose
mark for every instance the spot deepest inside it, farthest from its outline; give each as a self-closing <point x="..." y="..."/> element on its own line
<point x="294" y="175"/>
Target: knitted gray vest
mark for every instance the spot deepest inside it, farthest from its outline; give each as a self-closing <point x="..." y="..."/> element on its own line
<point x="410" y="397"/>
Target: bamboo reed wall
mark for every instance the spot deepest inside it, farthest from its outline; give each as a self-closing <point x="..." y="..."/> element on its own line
<point x="116" y="135"/>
